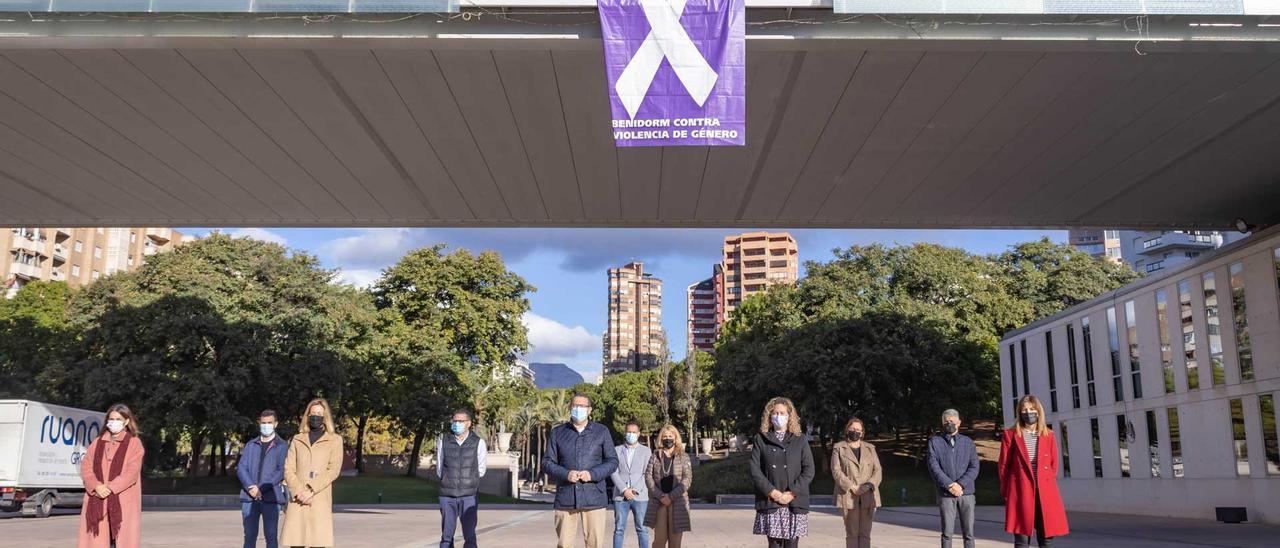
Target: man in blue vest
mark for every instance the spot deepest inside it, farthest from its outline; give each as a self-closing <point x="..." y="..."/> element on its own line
<point x="261" y="474"/>
<point x="460" y="463"/>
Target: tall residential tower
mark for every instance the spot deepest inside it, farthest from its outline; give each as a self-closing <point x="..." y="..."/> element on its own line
<point x="634" y="340"/>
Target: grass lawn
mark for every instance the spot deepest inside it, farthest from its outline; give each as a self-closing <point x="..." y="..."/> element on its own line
<point x="732" y="475"/>
<point x="363" y="489"/>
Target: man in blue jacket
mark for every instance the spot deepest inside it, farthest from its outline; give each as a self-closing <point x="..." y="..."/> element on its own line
<point x="580" y="457"/>
<point x="953" y="464"/>
<point x="261" y="473"/>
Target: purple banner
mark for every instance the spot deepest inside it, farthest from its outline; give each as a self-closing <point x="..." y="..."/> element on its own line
<point x="677" y="71"/>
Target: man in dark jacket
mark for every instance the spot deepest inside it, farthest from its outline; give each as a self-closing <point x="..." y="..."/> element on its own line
<point x="580" y="457"/>
<point x="460" y="463"/>
<point x="953" y="464"/>
<point x="261" y="474"/>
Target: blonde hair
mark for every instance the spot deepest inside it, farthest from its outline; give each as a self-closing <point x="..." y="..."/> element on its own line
<point x="1042" y="426"/>
<point x="328" y="416"/>
<point x="793" y="418"/>
<point x="676" y="448"/>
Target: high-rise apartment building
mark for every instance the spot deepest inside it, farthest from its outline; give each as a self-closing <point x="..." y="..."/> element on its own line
<point x="634" y="339"/>
<point x="754" y="261"/>
<point x="77" y="256"/>
<point x="706" y="303"/>
<point x="1096" y="242"/>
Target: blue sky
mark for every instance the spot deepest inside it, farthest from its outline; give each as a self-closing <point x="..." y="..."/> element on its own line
<point x="568" y="266"/>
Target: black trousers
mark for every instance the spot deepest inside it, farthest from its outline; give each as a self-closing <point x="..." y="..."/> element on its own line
<point x="784" y="542"/>
<point x="1023" y="541"/>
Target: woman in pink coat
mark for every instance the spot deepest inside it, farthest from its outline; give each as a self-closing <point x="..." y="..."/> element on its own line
<point x="111" y="470"/>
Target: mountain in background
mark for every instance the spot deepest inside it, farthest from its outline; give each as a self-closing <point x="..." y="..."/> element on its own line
<point x="554" y="375"/>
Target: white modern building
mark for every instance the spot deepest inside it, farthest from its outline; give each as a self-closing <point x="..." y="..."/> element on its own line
<point x="1163" y="392"/>
<point x="1150" y="251"/>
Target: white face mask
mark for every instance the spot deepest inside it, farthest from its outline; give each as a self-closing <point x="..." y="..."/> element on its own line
<point x="115" y="426"/>
<point x="780" y="421"/>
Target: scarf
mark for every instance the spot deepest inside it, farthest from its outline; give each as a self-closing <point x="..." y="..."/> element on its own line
<point x="93" y="513"/>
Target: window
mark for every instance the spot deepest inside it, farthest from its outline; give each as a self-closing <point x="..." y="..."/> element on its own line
<point x="1013" y="377"/>
<point x="1026" y="378"/>
<point x="1153" y="443"/>
<point x="1088" y="360"/>
<point x="1066" y="451"/>
<point x="1175" y="442"/>
<point x="1188" y="334"/>
<point x="1166" y="350"/>
<point x="1123" y="434"/>
<point x="75" y="270"/>
<point x="1071" y="363"/>
<point x="97" y="252"/>
<point x="1217" y="370"/>
<point x="1131" y="332"/>
<point x="1244" y="350"/>
<point x="1097" y="447"/>
<point x="1053" y="381"/>
<point x="1240" y="443"/>
<point x="95" y="275"/>
<point x="1267" y="408"/>
<point x="79" y="246"/>
<point x="133" y="237"/>
<point x="1113" y="341"/>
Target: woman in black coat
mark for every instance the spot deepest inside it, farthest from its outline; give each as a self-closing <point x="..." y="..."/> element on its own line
<point x="781" y="469"/>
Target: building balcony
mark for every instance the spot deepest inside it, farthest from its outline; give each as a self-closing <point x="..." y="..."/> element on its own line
<point x="1170" y="240"/>
<point x="57" y="275"/>
<point x="25" y="271"/>
<point x="60" y="234"/>
<point x="36" y="247"/>
<point x="59" y="253"/>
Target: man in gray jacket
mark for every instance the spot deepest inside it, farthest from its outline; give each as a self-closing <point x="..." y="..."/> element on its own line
<point x="629" y="492"/>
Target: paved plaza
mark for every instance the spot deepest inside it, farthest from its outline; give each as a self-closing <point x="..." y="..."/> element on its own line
<point x="403" y="526"/>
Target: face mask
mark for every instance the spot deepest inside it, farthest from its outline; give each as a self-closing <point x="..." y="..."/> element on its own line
<point x="779" y="421"/>
<point x="668" y="443"/>
<point x="578" y="414"/>
<point x="1030" y="417"/>
<point x="949" y="428"/>
<point x="316" y="422"/>
<point x="458" y="428"/>
<point x="267" y="430"/>
<point x="115" y="426"/>
<point x="853" y="435"/>
<point x="632" y="438"/>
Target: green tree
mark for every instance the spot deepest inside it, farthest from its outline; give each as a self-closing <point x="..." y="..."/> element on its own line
<point x="36" y="341"/>
<point x="200" y="339"/>
<point x="1053" y="277"/>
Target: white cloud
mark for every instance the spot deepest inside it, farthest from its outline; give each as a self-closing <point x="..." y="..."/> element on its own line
<point x="359" y="277"/>
<point x="554" y="342"/>
<point x="258" y="234"/>
<point x="371" y="247"/>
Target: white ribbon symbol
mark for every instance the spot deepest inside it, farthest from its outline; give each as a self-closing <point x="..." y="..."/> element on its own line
<point x="668" y="40"/>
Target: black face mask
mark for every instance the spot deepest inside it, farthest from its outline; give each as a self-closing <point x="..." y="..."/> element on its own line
<point x="949" y="428"/>
<point x="315" y="422"/>
<point x="853" y="435"/>
<point x="1030" y="417"/>
<point x="668" y="443"/>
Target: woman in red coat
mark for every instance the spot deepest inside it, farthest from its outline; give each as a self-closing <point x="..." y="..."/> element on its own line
<point x="1028" y="470"/>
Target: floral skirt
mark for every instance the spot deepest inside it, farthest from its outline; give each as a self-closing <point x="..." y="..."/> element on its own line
<point x="781" y="523"/>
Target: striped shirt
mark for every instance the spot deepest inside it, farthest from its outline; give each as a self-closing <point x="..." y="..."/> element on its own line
<point x="1032" y="440"/>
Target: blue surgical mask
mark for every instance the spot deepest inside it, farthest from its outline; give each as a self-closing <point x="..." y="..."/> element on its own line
<point x="458" y="428"/>
<point x="779" y="421"/>
<point x="632" y="438"/>
<point x="267" y="429"/>
<point x="578" y="414"/>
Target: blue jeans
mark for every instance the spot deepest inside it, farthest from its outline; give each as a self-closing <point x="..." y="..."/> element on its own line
<point x="270" y="512"/>
<point x="452" y="508"/>
<point x="635" y="507"/>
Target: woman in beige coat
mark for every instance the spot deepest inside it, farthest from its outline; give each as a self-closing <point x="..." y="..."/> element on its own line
<point x="313" y="463"/>
<point x="856" y="470"/>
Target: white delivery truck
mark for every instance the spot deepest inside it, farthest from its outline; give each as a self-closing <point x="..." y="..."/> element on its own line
<point x="41" y="446"/>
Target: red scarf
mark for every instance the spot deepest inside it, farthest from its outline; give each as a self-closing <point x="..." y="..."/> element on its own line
<point x="93" y="513"/>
